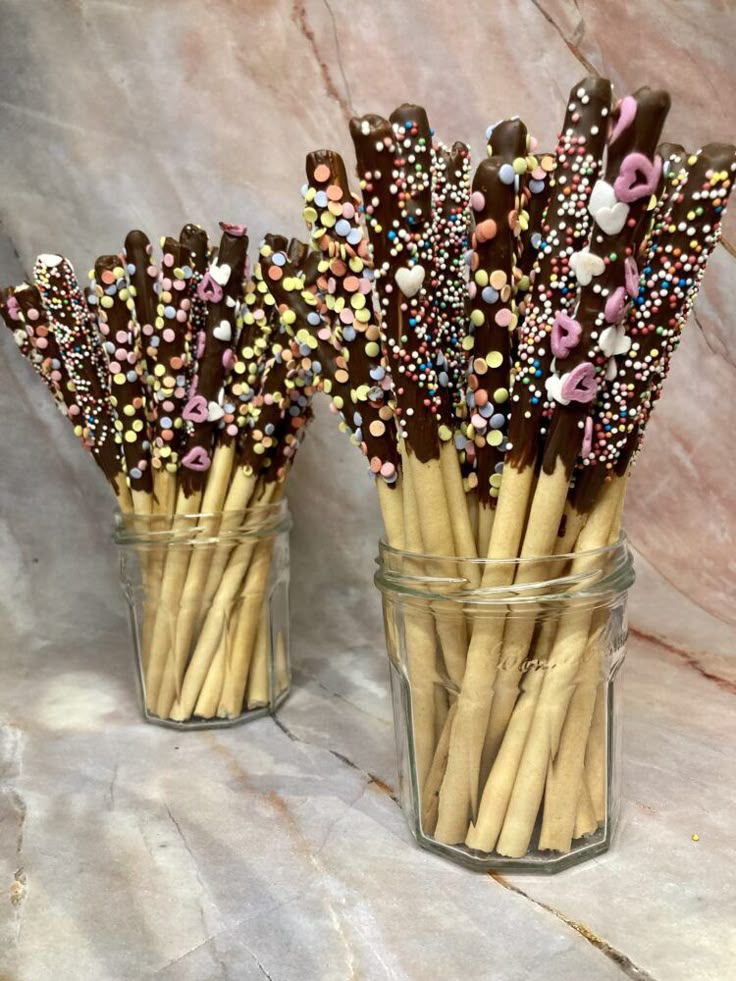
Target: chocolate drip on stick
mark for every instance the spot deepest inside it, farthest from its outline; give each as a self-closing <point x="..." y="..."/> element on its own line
<point x="222" y="288"/>
<point x="494" y="316"/>
<point x="698" y="189"/>
<point x="68" y="319"/>
<point x="23" y="314"/>
<point x="565" y="230"/>
<point x="144" y="281"/>
<point x="620" y="207"/>
<point x="360" y="385"/>
<point x="279" y="374"/>
<point x="120" y="334"/>
<point x="394" y="164"/>
<point x="446" y="303"/>
<point x="194" y="239"/>
<point x="168" y="354"/>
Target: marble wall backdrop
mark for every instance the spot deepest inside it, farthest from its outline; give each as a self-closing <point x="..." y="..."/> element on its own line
<point x="122" y="114"/>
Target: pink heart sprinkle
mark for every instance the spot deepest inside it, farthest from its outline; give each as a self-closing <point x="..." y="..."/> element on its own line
<point x="13" y="308"/>
<point x="565" y="334"/>
<point x="209" y="290"/>
<point x="627" y="185"/>
<point x="228" y="359"/>
<point x="579" y="385"/>
<point x="626" y="115"/>
<point x="615" y="305"/>
<point x="196" y="409"/>
<point x="201" y="341"/>
<point x="197" y="459"/>
<point x="631" y="276"/>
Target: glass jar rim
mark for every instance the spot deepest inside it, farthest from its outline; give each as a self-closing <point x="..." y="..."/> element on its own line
<point x="604" y="571"/>
<point x="201" y="528"/>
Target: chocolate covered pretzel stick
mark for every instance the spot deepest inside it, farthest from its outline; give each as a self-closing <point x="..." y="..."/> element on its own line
<point x="22" y="311"/>
<point x="495" y="202"/>
<point x="68" y="318"/>
<point x="683" y="240"/>
<point x="579" y="154"/>
<point x="620" y="206"/>
<point x="395" y="169"/>
<point x="120" y="334"/>
<point x="363" y="385"/>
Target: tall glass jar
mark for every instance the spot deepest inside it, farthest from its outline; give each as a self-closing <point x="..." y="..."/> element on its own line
<point x="209" y="613"/>
<point x="506" y="709"/>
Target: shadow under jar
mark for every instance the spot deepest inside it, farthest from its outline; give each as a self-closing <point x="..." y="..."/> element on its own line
<point x="506" y="708"/>
<point x="209" y="612"/>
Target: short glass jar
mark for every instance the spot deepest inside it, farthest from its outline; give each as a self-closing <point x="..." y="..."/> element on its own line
<point x="506" y="708"/>
<point x="209" y="612"/>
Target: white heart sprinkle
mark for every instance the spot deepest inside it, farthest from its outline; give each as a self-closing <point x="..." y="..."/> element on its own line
<point x="409" y="280"/>
<point x="610" y="214"/>
<point x="49" y="259"/>
<point x="214" y="412"/>
<point x="223" y="332"/>
<point x="602" y="196"/>
<point x="585" y="265"/>
<point x="553" y="384"/>
<point x="611" y="370"/>
<point x="614" y="341"/>
<point x="220" y="274"/>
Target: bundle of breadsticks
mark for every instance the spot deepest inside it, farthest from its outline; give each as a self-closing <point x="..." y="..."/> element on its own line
<point x="193" y="399"/>
<point x="503" y="342"/>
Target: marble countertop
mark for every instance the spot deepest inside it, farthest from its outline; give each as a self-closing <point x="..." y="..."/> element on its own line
<point x="277" y="850"/>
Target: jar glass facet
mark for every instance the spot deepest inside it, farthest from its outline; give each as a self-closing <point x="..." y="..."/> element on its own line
<point x="505" y="702"/>
<point x="208" y="606"/>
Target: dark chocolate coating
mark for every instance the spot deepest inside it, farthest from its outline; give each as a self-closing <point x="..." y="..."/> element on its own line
<point x="39" y="345"/>
<point x="583" y="127"/>
<point x="138" y="253"/>
<point x="417" y="398"/>
<point x="493" y="254"/>
<point x="564" y="436"/>
<point x="343" y="355"/>
<point x="212" y="366"/>
<point x="68" y="317"/>
<point x="119" y="332"/>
